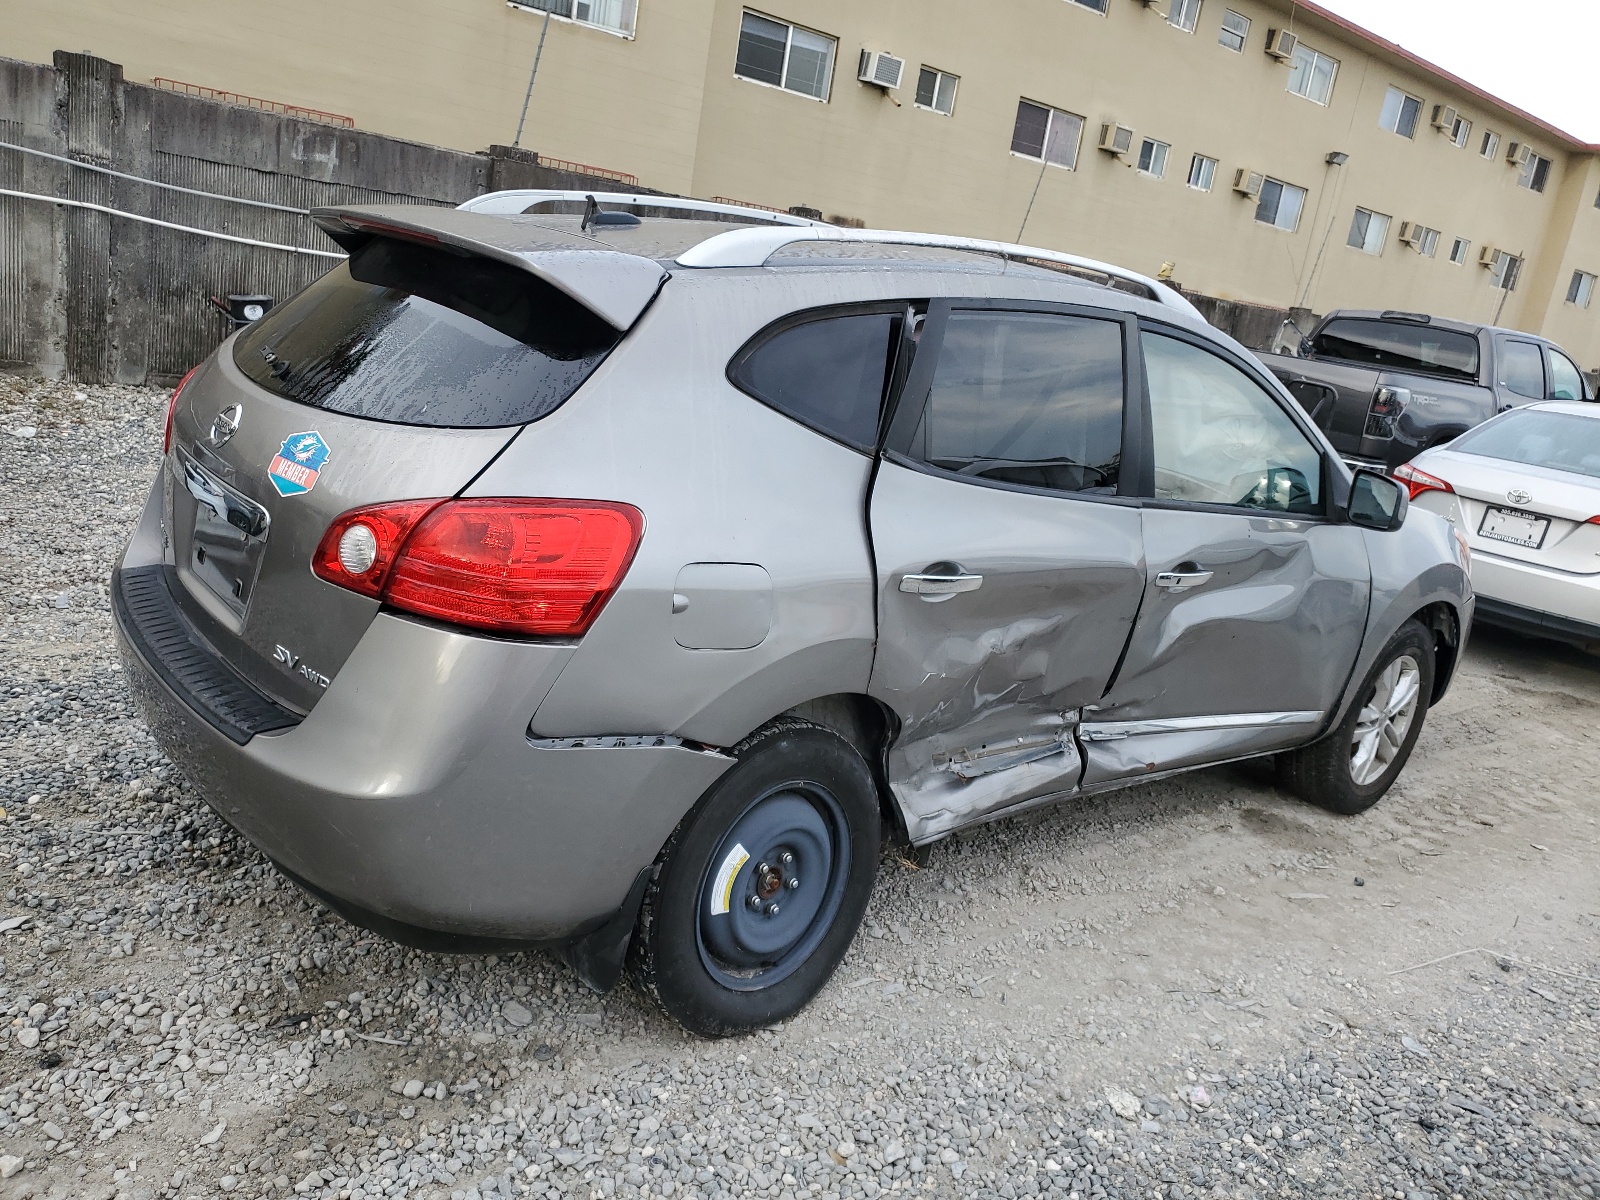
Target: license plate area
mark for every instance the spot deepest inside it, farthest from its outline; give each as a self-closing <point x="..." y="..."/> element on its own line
<point x="1515" y="527"/>
<point x="227" y="533"/>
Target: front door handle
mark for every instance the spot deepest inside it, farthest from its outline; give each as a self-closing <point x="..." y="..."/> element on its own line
<point x="934" y="588"/>
<point x="1184" y="579"/>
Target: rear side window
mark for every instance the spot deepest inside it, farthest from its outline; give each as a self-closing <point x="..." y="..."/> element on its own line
<point x="419" y="335"/>
<point x="828" y="372"/>
<point x="1026" y="398"/>
<point x="1401" y="346"/>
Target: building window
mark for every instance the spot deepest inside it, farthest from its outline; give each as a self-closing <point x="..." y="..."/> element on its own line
<point x="785" y="56"/>
<point x="1461" y="131"/>
<point x="1202" y="172"/>
<point x="1099" y="6"/>
<point x="614" y="15"/>
<point x="1046" y="134"/>
<point x="1368" y="231"/>
<point x="1491" y="144"/>
<point x="1235" y="31"/>
<point x="1280" y="204"/>
<point x="1311" y="74"/>
<point x="1423" y="240"/>
<point x="1535" y="173"/>
<point x="1504" y="271"/>
<point x="1153" y="158"/>
<point x="1400" y="113"/>
<point x="936" y="90"/>
<point x="1581" y="290"/>
<point x="1459" y="249"/>
<point x="1184" y="14"/>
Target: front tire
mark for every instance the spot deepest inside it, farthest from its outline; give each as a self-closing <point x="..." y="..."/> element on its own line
<point x="1350" y="769"/>
<point x="758" y="893"/>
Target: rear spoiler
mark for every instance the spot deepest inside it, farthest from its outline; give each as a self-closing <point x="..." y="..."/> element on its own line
<point x="615" y="286"/>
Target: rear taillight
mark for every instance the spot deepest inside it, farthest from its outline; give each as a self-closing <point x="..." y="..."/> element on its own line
<point x="1418" y="481"/>
<point x="172" y="408"/>
<point x="1387" y="405"/>
<point x="539" y="567"/>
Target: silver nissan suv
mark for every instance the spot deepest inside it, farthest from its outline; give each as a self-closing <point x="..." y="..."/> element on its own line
<point x="619" y="584"/>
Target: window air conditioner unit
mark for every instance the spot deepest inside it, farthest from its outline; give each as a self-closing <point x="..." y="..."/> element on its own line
<point x="1115" y="139"/>
<point x="1248" y="183"/>
<point x="1281" y="43"/>
<point x="1518" y="153"/>
<point x="1444" y="117"/>
<point x="1410" y="233"/>
<point x="1487" y="256"/>
<point x="881" y="69"/>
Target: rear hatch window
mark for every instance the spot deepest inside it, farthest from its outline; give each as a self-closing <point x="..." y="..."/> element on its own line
<point x="421" y="335"/>
<point x="1400" y="346"/>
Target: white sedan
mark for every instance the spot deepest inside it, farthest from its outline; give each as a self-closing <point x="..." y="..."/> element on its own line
<point x="1524" y="490"/>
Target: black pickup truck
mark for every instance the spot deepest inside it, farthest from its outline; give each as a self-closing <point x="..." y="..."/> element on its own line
<point x="1385" y="386"/>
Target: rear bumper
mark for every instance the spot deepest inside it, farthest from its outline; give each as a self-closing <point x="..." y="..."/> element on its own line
<point x="1535" y="623"/>
<point x="411" y="795"/>
<point x="1533" y="600"/>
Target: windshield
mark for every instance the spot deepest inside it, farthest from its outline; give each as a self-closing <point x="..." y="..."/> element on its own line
<point x="421" y="335"/>
<point x="1400" y="346"/>
<point x="1538" y="438"/>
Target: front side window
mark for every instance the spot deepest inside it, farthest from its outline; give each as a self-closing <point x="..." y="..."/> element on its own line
<point x="1235" y="31"/>
<point x="1029" y="399"/>
<point x="1368" y="231"/>
<point x="936" y="90"/>
<point x="1400" y="113"/>
<point x="1153" y="158"/>
<point x="1202" y="172"/>
<point x="1280" y="204"/>
<point x="1184" y="14"/>
<point x="1046" y="134"/>
<point x="1399" y="346"/>
<point x="615" y="15"/>
<point x="1566" y="381"/>
<point x="1535" y="173"/>
<point x="1505" y="271"/>
<point x="1311" y="74"/>
<point x="828" y="372"/>
<point x="785" y="56"/>
<point x="1220" y="438"/>
<point x="1490" y="145"/>
<point x="1522" y="369"/>
<point x="1459" y="250"/>
<point x="1581" y="290"/>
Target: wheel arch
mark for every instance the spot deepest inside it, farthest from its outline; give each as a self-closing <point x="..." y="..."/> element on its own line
<point x="1442" y="619"/>
<point x="871" y="727"/>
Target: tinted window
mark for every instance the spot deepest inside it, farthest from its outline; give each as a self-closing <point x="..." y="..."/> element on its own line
<point x="1560" y="441"/>
<point x="1565" y="381"/>
<point x="1400" y="346"/>
<point x="828" y="373"/>
<point x="421" y="336"/>
<point x="1522" y="369"/>
<point x="1027" y="398"/>
<point x="1219" y="438"/>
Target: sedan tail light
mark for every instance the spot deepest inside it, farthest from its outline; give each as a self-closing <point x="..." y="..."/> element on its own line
<point x="537" y="567"/>
<point x="172" y="408"/>
<point x="1418" y="481"/>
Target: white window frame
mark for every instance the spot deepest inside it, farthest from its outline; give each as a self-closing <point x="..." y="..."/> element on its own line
<point x="1095" y="6"/>
<point x="1581" y="290"/>
<point x="1316" y="59"/>
<point x="1490" y="146"/>
<point x="1283" y="187"/>
<point x="1460" y="251"/>
<point x="1374" y="235"/>
<point x="1049" y="130"/>
<point x="938" y="82"/>
<point x="1206" y="167"/>
<point x="1461" y="133"/>
<point x="1529" y="175"/>
<point x="630" y="10"/>
<point x="788" y="47"/>
<point x="1228" y="31"/>
<point x="1160" y="152"/>
<point x="1506" y="272"/>
<point x="1178" y="10"/>
<point x="1428" y="243"/>
<point x="1399" y="112"/>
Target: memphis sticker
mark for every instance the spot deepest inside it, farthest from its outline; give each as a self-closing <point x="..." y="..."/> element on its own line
<point x="298" y="462"/>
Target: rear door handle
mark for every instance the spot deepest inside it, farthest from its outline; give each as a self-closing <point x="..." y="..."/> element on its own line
<point x="1182" y="581"/>
<point x="934" y="588"/>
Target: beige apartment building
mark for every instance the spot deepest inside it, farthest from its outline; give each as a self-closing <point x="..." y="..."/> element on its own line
<point x="1267" y="150"/>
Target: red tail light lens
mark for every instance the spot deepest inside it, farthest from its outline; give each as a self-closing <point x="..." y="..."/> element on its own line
<point x="172" y="408"/>
<point x="538" y="567"/>
<point x="1418" y="482"/>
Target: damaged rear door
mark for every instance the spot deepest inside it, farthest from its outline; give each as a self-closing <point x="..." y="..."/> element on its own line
<point x="1009" y="560"/>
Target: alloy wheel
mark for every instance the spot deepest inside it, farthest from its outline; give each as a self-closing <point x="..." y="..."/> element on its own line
<point x="1385" y="719"/>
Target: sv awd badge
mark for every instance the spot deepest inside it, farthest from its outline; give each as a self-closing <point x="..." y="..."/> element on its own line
<point x="291" y="660"/>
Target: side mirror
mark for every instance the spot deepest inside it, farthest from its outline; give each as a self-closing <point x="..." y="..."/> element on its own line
<point x="1377" y="502"/>
<point x="1305" y="348"/>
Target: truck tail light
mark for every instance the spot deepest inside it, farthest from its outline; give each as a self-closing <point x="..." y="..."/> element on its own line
<point x="172" y="408"/>
<point x="1418" y="481"/>
<point x="532" y="567"/>
<point x="1387" y="405"/>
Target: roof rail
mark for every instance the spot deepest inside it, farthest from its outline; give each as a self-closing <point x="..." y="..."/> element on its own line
<point x="752" y="248"/>
<point x="520" y="199"/>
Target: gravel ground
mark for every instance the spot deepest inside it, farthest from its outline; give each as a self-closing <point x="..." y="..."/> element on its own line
<point x="1193" y="988"/>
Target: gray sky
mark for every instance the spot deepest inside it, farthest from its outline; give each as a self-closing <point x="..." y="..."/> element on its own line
<point x="1536" y="54"/>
